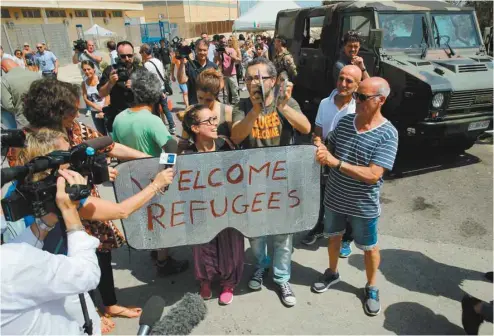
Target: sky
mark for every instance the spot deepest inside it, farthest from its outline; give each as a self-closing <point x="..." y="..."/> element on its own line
<point x="245" y="5"/>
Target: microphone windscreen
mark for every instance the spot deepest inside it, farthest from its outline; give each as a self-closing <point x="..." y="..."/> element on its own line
<point x="171" y="146"/>
<point x="99" y="143"/>
<point x="152" y="311"/>
<point x="183" y="317"/>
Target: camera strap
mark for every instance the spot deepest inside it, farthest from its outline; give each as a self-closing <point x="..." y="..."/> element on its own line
<point x="159" y="73"/>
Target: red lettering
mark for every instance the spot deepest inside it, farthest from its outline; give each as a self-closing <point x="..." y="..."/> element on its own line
<point x="272" y="199"/>
<point x="244" y="205"/>
<point x="251" y="168"/>
<point x="195" y="182"/>
<point x="136" y="183"/>
<point x="210" y="182"/>
<point x="256" y="201"/>
<point x="183" y="180"/>
<point x="240" y="176"/>
<point x="213" y="210"/>
<point x="176" y="214"/>
<point x="152" y="217"/>
<point x="295" y="197"/>
<point x="276" y="169"/>
<point x="192" y="209"/>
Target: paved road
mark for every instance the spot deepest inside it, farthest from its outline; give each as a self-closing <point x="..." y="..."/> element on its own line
<point x="436" y="238"/>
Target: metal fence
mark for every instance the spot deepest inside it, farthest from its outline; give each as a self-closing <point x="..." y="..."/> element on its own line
<point x="55" y="36"/>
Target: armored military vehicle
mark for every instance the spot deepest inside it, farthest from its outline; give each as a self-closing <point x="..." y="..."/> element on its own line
<point x="431" y="53"/>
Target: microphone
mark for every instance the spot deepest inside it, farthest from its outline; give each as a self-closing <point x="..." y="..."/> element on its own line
<point x="99" y="143"/>
<point x="183" y="317"/>
<point x="153" y="309"/>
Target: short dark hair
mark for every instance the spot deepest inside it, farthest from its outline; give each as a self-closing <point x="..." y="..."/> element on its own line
<point x="17" y="50"/>
<point x="241" y="37"/>
<point x="146" y="48"/>
<point x="258" y="36"/>
<point x="163" y="40"/>
<point x="262" y="60"/>
<point x="222" y="37"/>
<point x="48" y="101"/>
<point x="121" y="43"/>
<point x="203" y="33"/>
<point x="282" y="40"/>
<point x="191" y="118"/>
<point x="216" y="37"/>
<point x="87" y="62"/>
<point x="201" y="41"/>
<point x="111" y="45"/>
<point x="352" y="36"/>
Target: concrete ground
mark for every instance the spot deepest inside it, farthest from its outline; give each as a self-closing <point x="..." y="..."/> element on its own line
<point x="436" y="238"/>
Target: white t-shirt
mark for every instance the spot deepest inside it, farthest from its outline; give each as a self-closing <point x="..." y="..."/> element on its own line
<point x="328" y="114"/>
<point x="20" y="62"/>
<point x="113" y="55"/>
<point x="152" y="68"/>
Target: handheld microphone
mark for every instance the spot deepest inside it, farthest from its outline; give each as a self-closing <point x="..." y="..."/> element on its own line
<point x="153" y="309"/>
<point x="183" y="317"/>
<point x="99" y="143"/>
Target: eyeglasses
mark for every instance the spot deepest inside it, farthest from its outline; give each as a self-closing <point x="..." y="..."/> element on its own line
<point x="249" y="79"/>
<point x="39" y="47"/>
<point x="123" y="56"/>
<point x="210" y="121"/>
<point x="362" y="97"/>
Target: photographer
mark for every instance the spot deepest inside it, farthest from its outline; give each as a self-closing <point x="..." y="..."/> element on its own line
<point x="37" y="287"/>
<point x="188" y="72"/>
<point x="226" y="57"/>
<point x="115" y="82"/>
<point x="88" y="54"/>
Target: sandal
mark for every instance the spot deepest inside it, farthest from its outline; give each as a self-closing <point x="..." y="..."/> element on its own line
<point x="126" y="312"/>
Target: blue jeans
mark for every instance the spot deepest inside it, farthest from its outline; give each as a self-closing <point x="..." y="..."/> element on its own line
<point x="166" y="111"/>
<point x="282" y="258"/>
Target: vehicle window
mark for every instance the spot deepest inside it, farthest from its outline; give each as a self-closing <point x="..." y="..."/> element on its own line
<point x="457" y="30"/>
<point x="286" y="26"/>
<point x="359" y="22"/>
<point x="402" y="30"/>
<point x="312" y="32"/>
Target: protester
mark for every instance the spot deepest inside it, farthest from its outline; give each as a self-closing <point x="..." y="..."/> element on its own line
<point x="223" y="256"/>
<point x="89" y="54"/>
<point x="110" y="83"/>
<point x="188" y="72"/>
<point x="256" y="127"/>
<point x="183" y="87"/>
<point x="226" y="60"/>
<point x="91" y="96"/>
<point x="283" y="60"/>
<point x="363" y="147"/>
<point x="112" y="49"/>
<point x="19" y="59"/>
<point x="37" y="286"/>
<point x="155" y="66"/>
<point x="15" y="83"/>
<point x="29" y="56"/>
<point x="331" y="109"/>
<point x="46" y="61"/>
<point x="348" y="54"/>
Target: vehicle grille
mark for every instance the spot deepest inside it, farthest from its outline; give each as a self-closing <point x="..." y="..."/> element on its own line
<point x="472" y="68"/>
<point x="470" y="98"/>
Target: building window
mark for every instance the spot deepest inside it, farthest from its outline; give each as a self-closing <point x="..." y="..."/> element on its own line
<point x="31" y="13"/>
<point x="5" y="13"/>
<point x="117" y="14"/>
<point x="80" y="13"/>
<point x="56" y="13"/>
<point x="99" y="13"/>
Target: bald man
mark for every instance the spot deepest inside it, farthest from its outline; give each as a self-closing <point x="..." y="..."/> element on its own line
<point x="331" y="110"/>
<point x="89" y="54"/>
<point x="363" y="146"/>
<point x="15" y="83"/>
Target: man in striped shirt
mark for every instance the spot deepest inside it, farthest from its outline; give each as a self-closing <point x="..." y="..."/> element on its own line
<point x="363" y="146"/>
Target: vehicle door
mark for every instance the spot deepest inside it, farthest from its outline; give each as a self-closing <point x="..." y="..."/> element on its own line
<point x="286" y="27"/>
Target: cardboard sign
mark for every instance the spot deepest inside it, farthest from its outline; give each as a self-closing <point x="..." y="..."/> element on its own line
<point x="264" y="191"/>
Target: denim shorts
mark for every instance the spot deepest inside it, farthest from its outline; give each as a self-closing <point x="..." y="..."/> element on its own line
<point x="364" y="229"/>
<point x="183" y="87"/>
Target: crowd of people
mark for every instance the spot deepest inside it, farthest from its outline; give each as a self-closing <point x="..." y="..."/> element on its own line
<point x="356" y="145"/>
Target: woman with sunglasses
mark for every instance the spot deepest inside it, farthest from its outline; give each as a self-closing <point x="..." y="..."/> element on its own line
<point x="19" y="58"/>
<point x="224" y="255"/>
<point x="259" y="51"/>
<point x="91" y="96"/>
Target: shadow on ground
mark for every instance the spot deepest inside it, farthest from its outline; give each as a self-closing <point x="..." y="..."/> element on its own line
<point x="418" y="273"/>
<point x="411" y="318"/>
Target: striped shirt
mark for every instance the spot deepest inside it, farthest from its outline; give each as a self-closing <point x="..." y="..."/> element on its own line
<point x="344" y="194"/>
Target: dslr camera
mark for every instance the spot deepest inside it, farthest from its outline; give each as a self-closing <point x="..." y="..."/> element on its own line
<point x="122" y="71"/>
<point x="38" y="198"/>
<point x="221" y="47"/>
<point x="180" y="50"/>
<point x="80" y="45"/>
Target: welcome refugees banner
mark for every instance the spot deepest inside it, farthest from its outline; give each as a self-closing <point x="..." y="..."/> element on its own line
<point x="264" y="191"/>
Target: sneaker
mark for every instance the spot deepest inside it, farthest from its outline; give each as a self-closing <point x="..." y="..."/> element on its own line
<point x="372" y="306"/>
<point x="346" y="249"/>
<point x="88" y="113"/>
<point x="173" y="130"/>
<point x="287" y="295"/>
<point x="325" y="281"/>
<point x="171" y="266"/>
<point x="226" y="296"/>
<point x="255" y="283"/>
<point x="470" y="320"/>
<point x="488" y="276"/>
<point x="311" y="238"/>
<point x="205" y="291"/>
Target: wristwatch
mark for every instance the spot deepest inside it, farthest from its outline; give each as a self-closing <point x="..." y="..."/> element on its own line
<point x="43" y="226"/>
<point x="338" y="166"/>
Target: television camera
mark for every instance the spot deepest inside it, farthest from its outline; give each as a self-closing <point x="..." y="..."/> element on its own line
<point x="80" y="45"/>
<point x="181" y="51"/>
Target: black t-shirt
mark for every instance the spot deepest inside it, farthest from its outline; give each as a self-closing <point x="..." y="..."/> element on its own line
<point x="220" y="143"/>
<point x="192" y="70"/>
<point x="164" y="55"/>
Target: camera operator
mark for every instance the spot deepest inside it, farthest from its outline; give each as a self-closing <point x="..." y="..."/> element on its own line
<point x="37" y="286"/>
<point x="115" y="82"/>
<point x="226" y="57"/>
<point x="188" y="72"/>
<point x="89" y="54"/>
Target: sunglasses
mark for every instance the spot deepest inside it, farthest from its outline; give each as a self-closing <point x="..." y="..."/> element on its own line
<point x="39" y="47"/>
<point x="362" y="97"/>
<point x="123" y="56"/>
<point x="208" y="121"/>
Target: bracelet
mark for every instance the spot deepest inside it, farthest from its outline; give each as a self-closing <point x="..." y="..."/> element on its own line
<point x="43" y="226"/>
<point x="338" y="166"/>
<point x="156" y="188"/>
<point x="78" y="228"/>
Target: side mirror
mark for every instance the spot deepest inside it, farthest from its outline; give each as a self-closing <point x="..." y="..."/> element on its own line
<point x="376" y="37"/>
